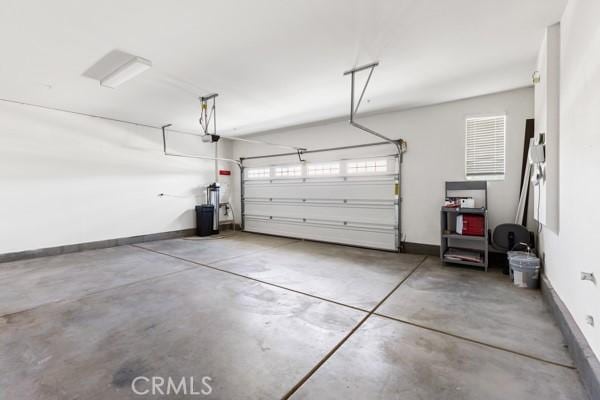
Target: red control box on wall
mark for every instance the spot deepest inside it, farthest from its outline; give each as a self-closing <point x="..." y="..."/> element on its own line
<point x="224" y="172"/>
<point x="470" y="224"/>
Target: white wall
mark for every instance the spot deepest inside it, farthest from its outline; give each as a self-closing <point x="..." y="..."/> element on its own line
<point x="436" y="153"/>
<point x="574" y="247"/>
<point x="69" y="179"/>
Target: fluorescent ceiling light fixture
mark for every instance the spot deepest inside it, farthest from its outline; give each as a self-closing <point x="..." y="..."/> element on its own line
<point x="125" y="72"/>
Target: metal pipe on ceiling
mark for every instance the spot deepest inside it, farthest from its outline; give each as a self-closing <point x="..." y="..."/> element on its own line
<point x="283" y="146"/>
<point x="215" y="158"/>
<point x="233" y="138"/>
<point x="361" y="68"/>
<point x="203" y="157"/>
<point x="356" y="146"/>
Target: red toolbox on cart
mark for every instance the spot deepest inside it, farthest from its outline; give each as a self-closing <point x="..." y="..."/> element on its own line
<point x="470" y="224"/>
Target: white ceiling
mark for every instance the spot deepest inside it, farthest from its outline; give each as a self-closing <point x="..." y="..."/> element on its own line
<point x="274" y="63"/>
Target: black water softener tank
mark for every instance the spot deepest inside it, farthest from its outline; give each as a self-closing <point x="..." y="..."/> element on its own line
<point x="204" y="219"/>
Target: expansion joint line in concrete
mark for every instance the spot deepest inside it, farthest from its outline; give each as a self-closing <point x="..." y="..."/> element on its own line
<point x="151" y="278"/>
<point x="234" y="257"/>
<point x="199" y="264"/>
<point x="475" y="341"/>
<point x="345" y="338"/>
<point x="95" y="292"/>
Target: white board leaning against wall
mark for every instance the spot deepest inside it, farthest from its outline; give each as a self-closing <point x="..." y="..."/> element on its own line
<point x="351" y="202"/>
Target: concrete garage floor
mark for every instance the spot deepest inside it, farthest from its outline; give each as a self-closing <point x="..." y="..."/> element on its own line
<point x="266" y="317"/>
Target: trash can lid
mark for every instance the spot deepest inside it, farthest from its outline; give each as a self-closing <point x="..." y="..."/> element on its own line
<point x="525" y="261"/>
<point x="511" y="254"/>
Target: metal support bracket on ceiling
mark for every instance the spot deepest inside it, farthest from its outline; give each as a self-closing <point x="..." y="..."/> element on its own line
<point x="399" y="144"/>
<point x="164" y="137"/>
<point x="205" y="116"/>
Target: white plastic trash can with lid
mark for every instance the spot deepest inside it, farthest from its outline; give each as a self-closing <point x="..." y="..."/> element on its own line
<point x="525" y="270"/>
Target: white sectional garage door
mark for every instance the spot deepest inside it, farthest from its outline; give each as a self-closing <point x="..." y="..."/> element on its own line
<point x="350" y="202"/>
